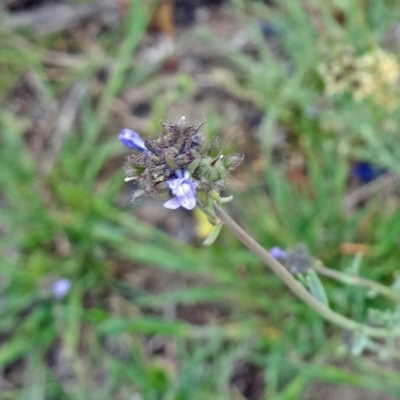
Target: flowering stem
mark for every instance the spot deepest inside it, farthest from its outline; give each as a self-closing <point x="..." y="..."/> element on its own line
<point x="296" y="287"/>
<point x="356" y="280"/>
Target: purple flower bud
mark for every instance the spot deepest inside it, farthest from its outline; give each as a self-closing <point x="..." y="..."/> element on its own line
<point x="132" y="140"/>
<point x="184" y="190"/>
<point x="61" y="288"/>
<point x="278" y="253"/>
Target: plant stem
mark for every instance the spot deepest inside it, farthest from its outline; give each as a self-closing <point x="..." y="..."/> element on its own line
<point x="356" y="280"/>
<point x="296" y="287"/>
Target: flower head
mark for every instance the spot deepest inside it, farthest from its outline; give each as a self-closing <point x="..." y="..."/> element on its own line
<point x="61" y="288"/>
<point x="180" y="161"/>
<point x="184" y="190"/>
<point x="297" y="260"/>
<point x="132" y="140"/>
<point x="372" y="76"/>
<point x="278" y="253"/>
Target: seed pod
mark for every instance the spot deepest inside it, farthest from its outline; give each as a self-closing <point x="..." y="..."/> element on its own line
<point x="213" y="170"/>
<point x="231" y="161"/>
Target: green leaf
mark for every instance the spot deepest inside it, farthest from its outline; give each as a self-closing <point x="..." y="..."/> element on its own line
<point x="212" y="237"/>
<point x="315" y="286"/>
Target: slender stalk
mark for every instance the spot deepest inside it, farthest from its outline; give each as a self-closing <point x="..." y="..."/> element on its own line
<point x="295" y="286"/>
<point x="356" y="280"/>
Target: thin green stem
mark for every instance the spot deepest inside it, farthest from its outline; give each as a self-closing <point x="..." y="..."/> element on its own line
<point x="356" y="280"/>
<point x="296" y="287"/>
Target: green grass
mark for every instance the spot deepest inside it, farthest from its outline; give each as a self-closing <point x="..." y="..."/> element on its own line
<point x="112" y="337"/>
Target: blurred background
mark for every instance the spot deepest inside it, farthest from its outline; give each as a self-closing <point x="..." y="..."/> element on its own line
<point x="100" y="299"/>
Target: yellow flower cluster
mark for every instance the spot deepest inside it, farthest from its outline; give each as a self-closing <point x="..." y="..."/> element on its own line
<point x="371" y="76"/>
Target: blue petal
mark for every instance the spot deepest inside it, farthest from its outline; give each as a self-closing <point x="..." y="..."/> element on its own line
<point x="188" y="201"/>
<point x="172" y="204"/>
<point x="179" y="173"/>
<point x="132" y="140"/>
<point x="184" y="189"/>
<point x="173" y="184"/>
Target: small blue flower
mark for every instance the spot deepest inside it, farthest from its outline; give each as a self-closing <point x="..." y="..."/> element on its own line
<point x="132" y="140"/>
<point x="184" y="190"/>
<point x="61" y="288"/>
<point x="366" y="172"/>
<point x="278" y="253"/>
